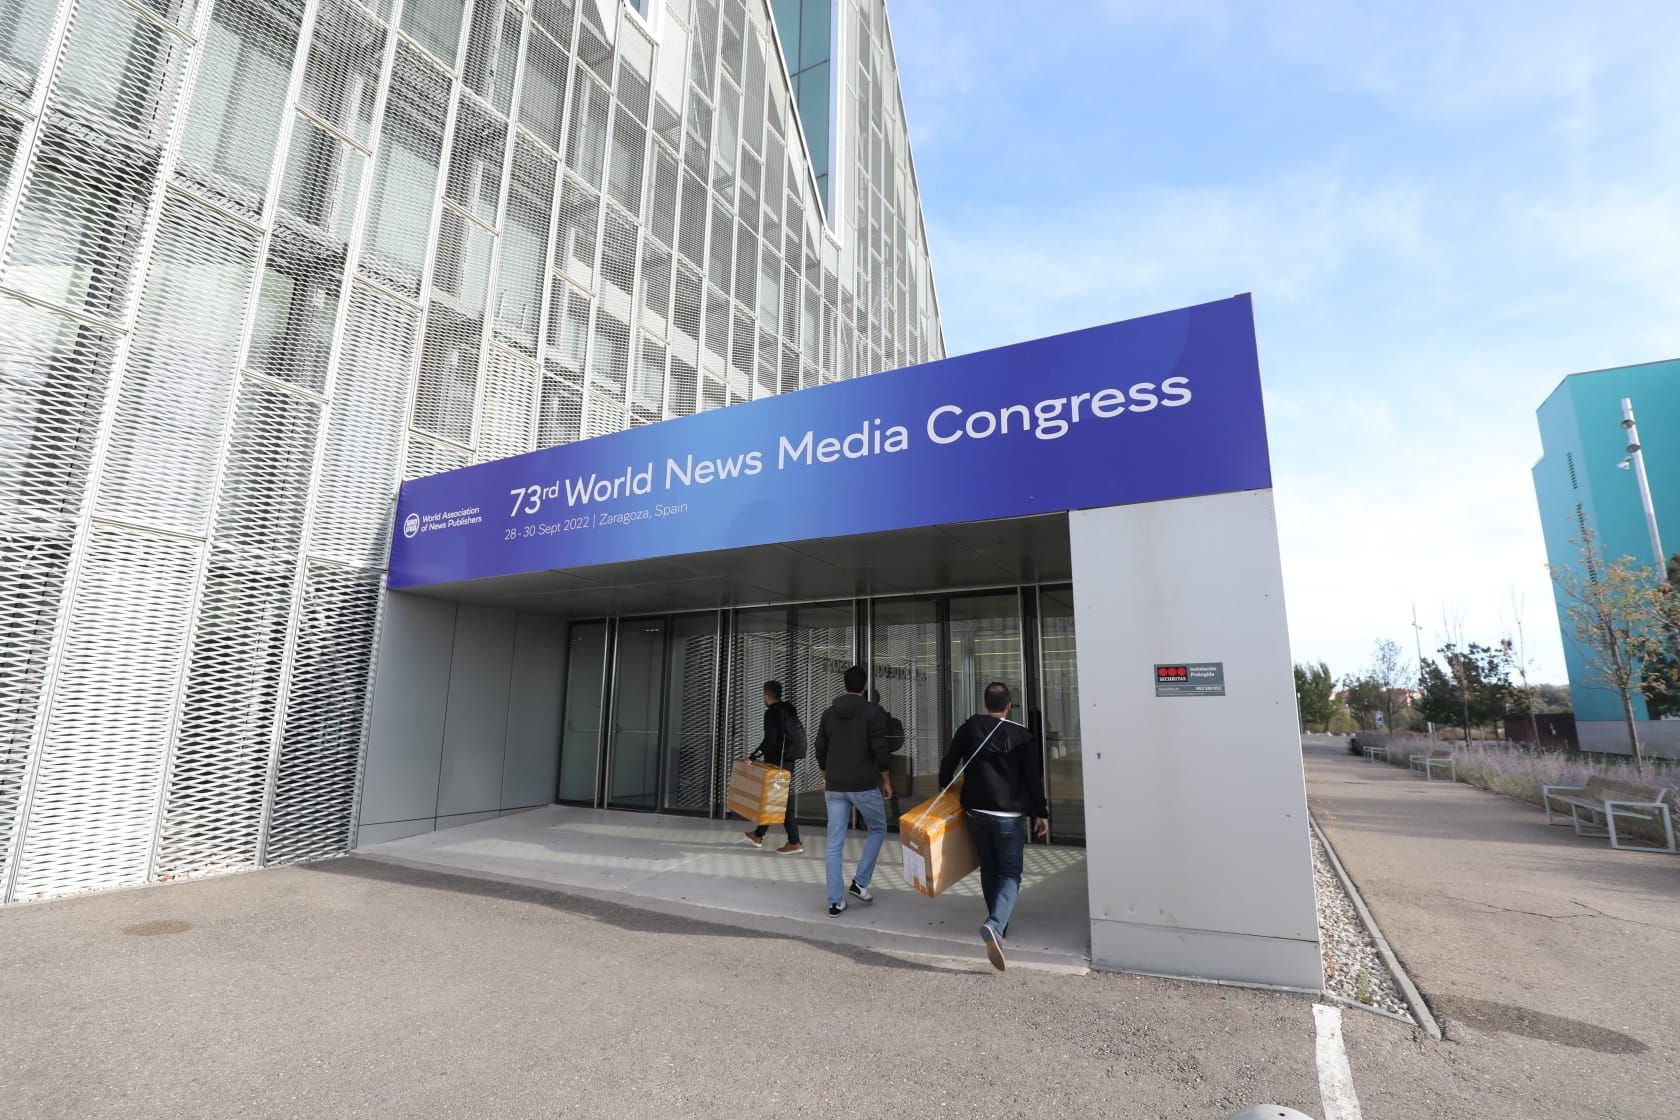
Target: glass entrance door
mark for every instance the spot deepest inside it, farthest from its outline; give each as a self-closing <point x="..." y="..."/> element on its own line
<point x="691" y="671"/>
<point x="807" y="648"/>
<point x="661" y="683"/>
<point x="985" y="646"/>
<point x="633" y="748"/>
<point x="823" y="645"/>
<point x="580" y="735"/>
<point x="905" y="655"/>
<point x="1064" y="762"/>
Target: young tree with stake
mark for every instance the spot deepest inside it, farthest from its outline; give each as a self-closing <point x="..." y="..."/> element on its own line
<point x="1388" y="673"/>
<point x="1619" y="611"/>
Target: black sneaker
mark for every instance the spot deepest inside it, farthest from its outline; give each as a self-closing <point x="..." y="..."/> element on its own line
<point x="860" y="893"/>
<point x="835" y="909"/>
<point x="994" y="946"/>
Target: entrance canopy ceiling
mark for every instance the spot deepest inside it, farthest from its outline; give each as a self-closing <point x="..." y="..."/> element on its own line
<point x="981" y="554"/>
<point x="956" y="473"/>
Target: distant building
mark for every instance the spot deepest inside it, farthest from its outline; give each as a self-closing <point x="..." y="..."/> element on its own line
<point x="1578" y="484"/>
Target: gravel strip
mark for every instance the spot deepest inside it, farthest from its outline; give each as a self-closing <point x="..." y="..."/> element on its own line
<point x="1352" y="967"/>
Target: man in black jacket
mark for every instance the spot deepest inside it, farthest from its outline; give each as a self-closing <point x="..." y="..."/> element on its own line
<point x="852" y="752"/>
<point x="1003" y="784"/>
<point x="778" y="749"/>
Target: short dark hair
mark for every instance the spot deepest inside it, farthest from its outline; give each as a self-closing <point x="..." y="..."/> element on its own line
<point x="773" y="689"/>
<point x="856" y="678"/>
<point x="997" y="696"/>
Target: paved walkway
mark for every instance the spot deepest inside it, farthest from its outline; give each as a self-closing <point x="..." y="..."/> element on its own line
<point x="1553" y="956"/>
<point x="701" y="868"/>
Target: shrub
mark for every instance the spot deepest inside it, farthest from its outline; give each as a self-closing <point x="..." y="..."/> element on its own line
<point x="1519" y="772"/>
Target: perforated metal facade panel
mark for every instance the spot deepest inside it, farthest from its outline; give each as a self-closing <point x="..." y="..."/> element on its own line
<point x="262" y="259"/>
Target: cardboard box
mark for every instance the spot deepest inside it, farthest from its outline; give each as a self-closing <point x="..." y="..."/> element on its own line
<point x="759" y="791"/>
<point x="938" y="850"/>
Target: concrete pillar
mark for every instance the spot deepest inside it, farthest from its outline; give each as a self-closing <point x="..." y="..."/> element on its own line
<point x="1196" y="815"/>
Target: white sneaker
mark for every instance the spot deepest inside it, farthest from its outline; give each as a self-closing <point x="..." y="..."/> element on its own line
<point x="835" y="909"/>
<point x="860" y="893"/>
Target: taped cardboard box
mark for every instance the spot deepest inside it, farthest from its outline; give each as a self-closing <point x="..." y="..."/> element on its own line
<point x="759" y="791"/>
<point x="938" y="850"/>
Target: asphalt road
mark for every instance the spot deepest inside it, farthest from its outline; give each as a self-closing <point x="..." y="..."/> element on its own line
<point x="353" y="988"/>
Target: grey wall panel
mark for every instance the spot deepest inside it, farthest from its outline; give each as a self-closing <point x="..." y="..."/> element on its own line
<point x="1661" y="738"/>
<point x="475" y="726"/>
<point x="531" y="769"/>
<point x="410" y="692"/>
<point x="369" y="834"/>
<point x="466" y="818"/>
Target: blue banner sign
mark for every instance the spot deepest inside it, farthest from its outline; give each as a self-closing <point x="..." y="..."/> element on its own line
<point x="1166" y="406"/>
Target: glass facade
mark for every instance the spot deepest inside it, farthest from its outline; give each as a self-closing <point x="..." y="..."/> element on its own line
<point x="929" y="659"/>
<point x="806" y="28"/>
<point x="260" y="260"/>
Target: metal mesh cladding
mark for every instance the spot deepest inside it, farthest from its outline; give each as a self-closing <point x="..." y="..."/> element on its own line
<point x="262" y="259"/>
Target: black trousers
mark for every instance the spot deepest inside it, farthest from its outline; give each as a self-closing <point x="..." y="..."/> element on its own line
<point x="789" y="822"/>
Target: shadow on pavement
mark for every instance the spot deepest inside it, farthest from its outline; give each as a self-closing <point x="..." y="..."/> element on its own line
<point x="1506" y="1018"/>
<point x="629" y="918"/>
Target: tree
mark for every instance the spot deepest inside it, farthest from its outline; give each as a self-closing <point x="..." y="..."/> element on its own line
<point x="1364" y="700"/>
<point x="1438" y="696"/>
<point x="1458" y="668"/>
<point x="1553" y="698"/>
<point x="1513" y="648"/>
<point x="1662" y="692"/>
<point x="1388" y="673"/>
<point x="1490" y="695"/>
<point x="1469" y="687"/>
<point x="1315" y="690"/>
<point x="1621" y="613"/>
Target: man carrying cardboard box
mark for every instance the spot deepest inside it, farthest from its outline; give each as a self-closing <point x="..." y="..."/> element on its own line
<point x="783" y="745"/>
<point x="1003" y="783"/>
<point x="852" y="754"/>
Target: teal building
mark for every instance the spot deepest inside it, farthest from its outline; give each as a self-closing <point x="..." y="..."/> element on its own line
<point x="1580" y="482"/>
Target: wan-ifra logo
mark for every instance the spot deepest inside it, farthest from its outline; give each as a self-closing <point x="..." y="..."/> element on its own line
<point x="411" y="526"/>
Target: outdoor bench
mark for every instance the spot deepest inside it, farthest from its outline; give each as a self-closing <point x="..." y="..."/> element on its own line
<point x="1603" y="800"/>
<point x="1371" y="750"/>
<point x="1427" y="764"/>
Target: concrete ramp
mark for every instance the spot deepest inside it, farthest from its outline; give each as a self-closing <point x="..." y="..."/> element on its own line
<point x="702" y="868"/>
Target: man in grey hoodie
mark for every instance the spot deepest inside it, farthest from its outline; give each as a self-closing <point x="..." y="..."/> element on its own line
<point x="853" y="756"/>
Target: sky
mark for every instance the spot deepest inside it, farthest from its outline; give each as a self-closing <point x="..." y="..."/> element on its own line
<point x="1442" y="209"/>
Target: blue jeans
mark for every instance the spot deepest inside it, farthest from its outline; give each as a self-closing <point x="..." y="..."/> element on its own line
<point x="873" y="808"/>
<point x="1001" y="843"/>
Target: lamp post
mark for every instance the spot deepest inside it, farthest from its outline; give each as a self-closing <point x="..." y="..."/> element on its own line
<point x="1637" y="458"/>
<point x="1417" y="635"/>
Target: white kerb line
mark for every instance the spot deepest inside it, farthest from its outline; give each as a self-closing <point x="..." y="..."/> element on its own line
<point x="1335" y="1078"/>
